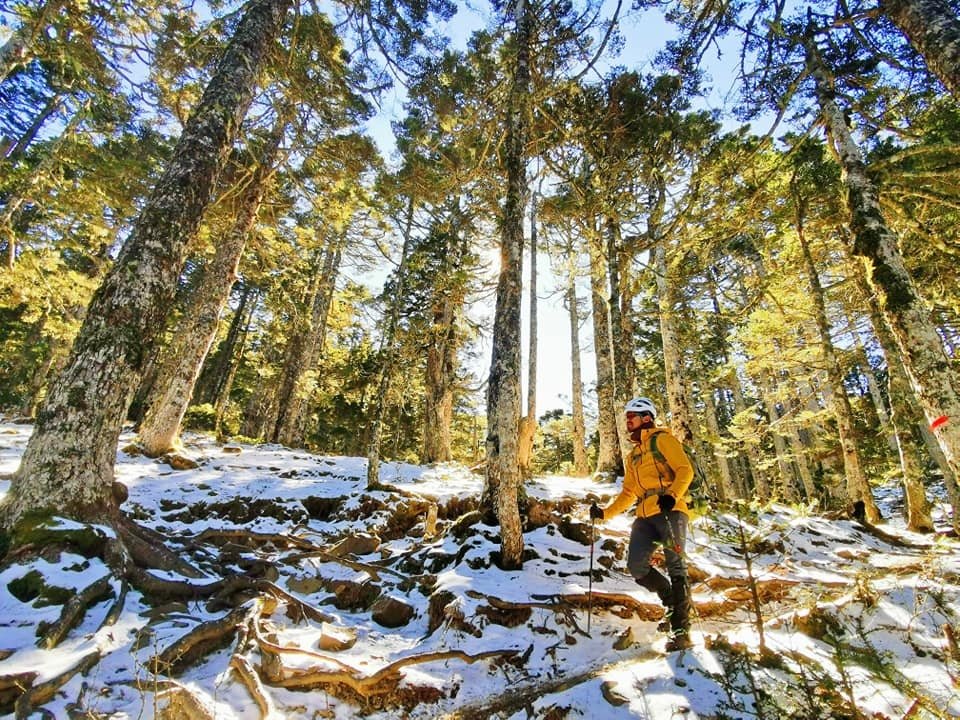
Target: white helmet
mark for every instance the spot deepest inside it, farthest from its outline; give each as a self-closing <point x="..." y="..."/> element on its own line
<point x="641" y="405"/>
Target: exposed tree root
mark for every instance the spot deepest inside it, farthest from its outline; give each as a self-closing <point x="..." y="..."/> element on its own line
<point x="12" y="687"/>
<point x="606" y="600"/>
<point x="39" y="694"/>
<point x="148" y="548"/>
<point x="382" y="682"/>
<point x="177" y="702"/>
<point x="251" y="681"/>
<point x="113" y="614"/>
<point x="520" y="696"/>
<point x="74" y="610"/>
<point x="199" y="641"/>
<point x="310" y="550"/>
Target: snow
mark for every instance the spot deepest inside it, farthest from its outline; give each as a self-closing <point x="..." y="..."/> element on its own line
<point x="853" y="624"/>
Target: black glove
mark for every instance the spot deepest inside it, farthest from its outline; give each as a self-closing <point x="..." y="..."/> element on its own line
<point x="595" y="512"/>
<point x="666" y="502"/>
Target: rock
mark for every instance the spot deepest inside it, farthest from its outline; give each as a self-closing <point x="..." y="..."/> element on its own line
<point x="350" y="595"/>
<point x="608" y="690"/>
<point x="391" y="612"/>
<point x="359" y="544"/>
<point x="624" y="640"/>
<point x="179" y="461"/>
<point x="430" y="521"/>
<point x="231" y="450"/>
<point x="334" y="638"/>
<point x="306" y="586"/>
<point x="575" y="530"/>
<point x="120" y="492"/>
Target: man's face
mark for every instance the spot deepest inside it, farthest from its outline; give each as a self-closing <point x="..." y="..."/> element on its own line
<point x="637" y="420"/>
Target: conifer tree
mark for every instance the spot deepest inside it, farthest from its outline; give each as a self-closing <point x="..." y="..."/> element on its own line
<point x="68" y="463"/>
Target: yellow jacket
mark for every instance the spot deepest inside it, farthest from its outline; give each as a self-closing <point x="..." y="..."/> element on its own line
<point x="644" y="478"/>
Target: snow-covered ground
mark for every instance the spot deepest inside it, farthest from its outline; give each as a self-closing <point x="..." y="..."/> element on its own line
<point x="854" y="624"/>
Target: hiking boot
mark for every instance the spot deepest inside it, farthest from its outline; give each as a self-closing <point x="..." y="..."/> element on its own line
<point x="679" y="615"/>
<point x="655" y="581"/>
<point x="679" y="642"/>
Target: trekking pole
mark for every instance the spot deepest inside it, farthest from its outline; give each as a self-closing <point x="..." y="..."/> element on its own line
<point x="670" y="536"/>
<point x="593" y="523"/>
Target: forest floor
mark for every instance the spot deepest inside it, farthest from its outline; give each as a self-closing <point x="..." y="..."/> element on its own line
<point x="302" y="594"/>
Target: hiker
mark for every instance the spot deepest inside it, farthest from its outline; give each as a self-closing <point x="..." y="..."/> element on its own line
<point x="659" y="487"/>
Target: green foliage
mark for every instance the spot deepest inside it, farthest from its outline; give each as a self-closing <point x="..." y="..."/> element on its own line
<point x="39" y="528"/>
<point x="34" y="587"/>
<point x="553" y="450"/>
<point x="200" y="417"/>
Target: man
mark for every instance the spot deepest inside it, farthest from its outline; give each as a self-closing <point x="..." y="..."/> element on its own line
<point x="658" y="485"/>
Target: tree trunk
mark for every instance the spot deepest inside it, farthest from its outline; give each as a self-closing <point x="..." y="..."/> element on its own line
<point x="726" y="490"/>
<point x="233" y="348"/>
<point x="800" y="453"/>
<point x="681" y="416"/>
<point x="933" y="29"/>
<point x="621" y="341"/>
<point x="609" y="459"/>
<point x="528" y="424"/>
<point x="160" y="429"/>
<point x="787" y="486"/>
<point x="904" y="418"/>
<point x="580" y="466"/>
<point x="289" y="425"/>
<point x="905" y="312"/>
<point x="213" y="377"/>
<point x="68" y="464"/>
<point x="503" y="389"/>
<point x="440" y="374"/>
<point x="388" y="351"/>
<point x="858" y="487"/>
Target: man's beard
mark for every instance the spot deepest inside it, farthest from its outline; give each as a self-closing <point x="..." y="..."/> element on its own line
<point x="635" y="435"/>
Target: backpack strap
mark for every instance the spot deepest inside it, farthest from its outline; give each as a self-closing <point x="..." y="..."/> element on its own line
<point x="658" y="456"/>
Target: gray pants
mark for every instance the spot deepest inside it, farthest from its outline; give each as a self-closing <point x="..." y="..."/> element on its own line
<point x="647" y="532"/>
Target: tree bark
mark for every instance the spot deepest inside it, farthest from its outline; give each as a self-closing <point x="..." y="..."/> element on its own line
<point x="609" y="460"/>
<point x="503" y="389"/>
<point x="68" y="464"/>
<point x="388" y="350"/>
<point x="289" y="424"/>
<point x="580" y="466"/>
<point x="904" y="310"/>
<point x="858" y="487"/>
<point x="621" y="341"/>
<point x="233" y="348"/>
<point x="933" y="29"/>
<point x="681" y="416"/>
<point x="904" y="418"/>
<point x="528" y="424"/>
<point x="173" y="389"/>
<point x="787" y="486"/>
<point x="439" y="378"/>
<point x="726" y="490"/>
